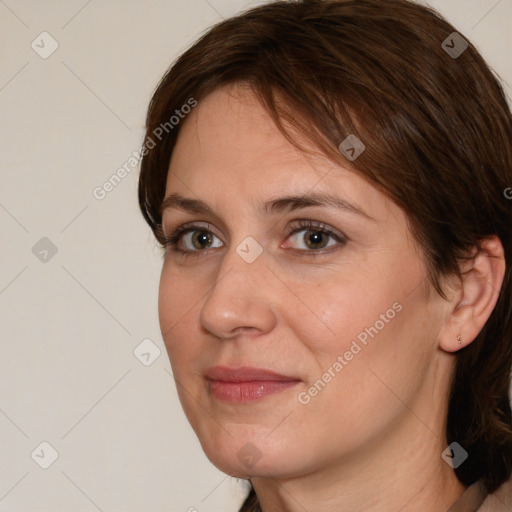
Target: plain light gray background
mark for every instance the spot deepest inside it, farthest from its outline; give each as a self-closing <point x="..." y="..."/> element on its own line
<point x="70" y="321"/>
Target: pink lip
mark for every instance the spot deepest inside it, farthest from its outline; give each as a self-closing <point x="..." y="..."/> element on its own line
<point x="245" y="383"/>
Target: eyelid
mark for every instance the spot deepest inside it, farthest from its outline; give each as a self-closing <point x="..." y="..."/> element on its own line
<point x="178" y="232"/>
<point x="315" y="225"/>
<point x="207" y="226"/>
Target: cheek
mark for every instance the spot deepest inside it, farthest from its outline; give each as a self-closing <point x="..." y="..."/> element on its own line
<point x="179" y="297"/>
<point x="366" y="324"/>
<point x="380" y="351"/>
<point x="340" y="313"/>
<point x="170" y="309"/>
<point x="177" y="312"/>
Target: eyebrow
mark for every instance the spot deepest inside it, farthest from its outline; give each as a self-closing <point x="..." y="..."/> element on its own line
<point x="277" y="205"/>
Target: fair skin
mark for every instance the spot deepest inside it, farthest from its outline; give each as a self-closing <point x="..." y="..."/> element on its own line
<point x="372" y="438"/>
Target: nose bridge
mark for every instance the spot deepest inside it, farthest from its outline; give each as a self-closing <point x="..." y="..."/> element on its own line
<point x="239" y="297"/>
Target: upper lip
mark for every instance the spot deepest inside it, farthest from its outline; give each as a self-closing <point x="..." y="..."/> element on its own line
<point x="244" y="374"/>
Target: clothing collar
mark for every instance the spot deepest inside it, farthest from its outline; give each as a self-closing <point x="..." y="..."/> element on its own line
<point x="471" y="499"/>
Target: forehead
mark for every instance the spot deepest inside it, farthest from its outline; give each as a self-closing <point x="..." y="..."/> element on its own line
<point x="231" y="126"/>
<point x="229" y="146"/>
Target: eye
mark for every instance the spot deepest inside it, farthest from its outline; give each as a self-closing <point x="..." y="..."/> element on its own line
<point x="312" y="236"/>
<point x="191" y="239"/>
<point x="196" y="240"/>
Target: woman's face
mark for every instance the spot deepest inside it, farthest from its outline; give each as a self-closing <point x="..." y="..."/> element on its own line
<point x="346" y="317"/>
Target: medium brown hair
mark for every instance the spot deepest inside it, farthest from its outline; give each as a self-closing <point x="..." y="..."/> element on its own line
<point x="437" y="132"/>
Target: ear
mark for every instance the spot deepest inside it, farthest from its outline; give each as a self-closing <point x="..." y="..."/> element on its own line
<point x="471" y="304"/>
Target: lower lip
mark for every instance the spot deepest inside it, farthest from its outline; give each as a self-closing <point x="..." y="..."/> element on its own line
<point x="247" y="391"/>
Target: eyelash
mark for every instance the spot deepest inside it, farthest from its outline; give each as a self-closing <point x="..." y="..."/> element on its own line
<point x="174" y="238"/>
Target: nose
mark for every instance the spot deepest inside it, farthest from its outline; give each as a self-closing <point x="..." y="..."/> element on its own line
<point x="242" y="298"/>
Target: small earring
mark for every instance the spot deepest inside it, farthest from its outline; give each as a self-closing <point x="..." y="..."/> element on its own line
<point x="459" y="339"/>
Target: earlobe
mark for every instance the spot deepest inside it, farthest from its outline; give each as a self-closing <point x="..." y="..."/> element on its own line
<point x="472" y="305"/>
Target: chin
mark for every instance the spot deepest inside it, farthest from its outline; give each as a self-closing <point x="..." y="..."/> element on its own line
<point x="253" y="456"/>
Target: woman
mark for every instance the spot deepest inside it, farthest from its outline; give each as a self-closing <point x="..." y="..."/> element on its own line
<point x="328" y="179"/>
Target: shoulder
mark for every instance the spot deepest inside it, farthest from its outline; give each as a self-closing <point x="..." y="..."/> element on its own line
<point x="500" y="500"/>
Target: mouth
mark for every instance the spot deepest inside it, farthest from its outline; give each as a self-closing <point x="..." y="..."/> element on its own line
<point x="245" y="384"/>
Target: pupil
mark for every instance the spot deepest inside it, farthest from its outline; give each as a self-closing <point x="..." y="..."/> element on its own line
<point x="202" y="238"/>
